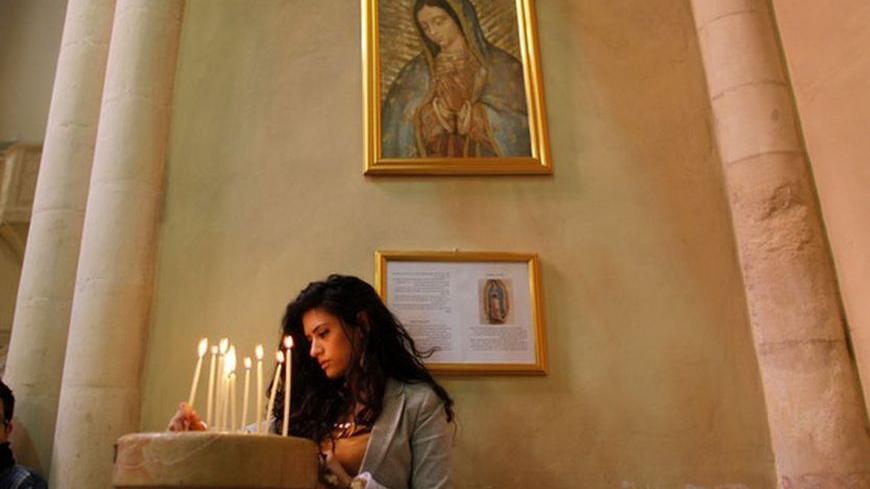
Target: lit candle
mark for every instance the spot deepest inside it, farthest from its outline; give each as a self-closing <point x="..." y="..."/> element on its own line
<point x="259" y="413"/>
<point x="233" y="418"/>
<point x="219" y="394"/>
<point x="279" y="357"/>
<point x="203" y="347"/>
<point x="288" y="367"/>
<point x="245" y="394"/>
<point x="229" y="367"/>
<point x="234" y="364"/>
<point x="210" y="400"/>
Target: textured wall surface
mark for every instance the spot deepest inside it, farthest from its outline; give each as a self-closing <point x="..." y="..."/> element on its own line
<point x="30" y="38"/>
<point x="10" y="272"/>
<point x="826" y="53"/>
<point x="653" y="379"/>
<point x="30" y="33"/>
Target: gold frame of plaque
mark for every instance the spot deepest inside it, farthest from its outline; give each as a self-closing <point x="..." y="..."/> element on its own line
<point x="523" y="48"/>
<point x="468" y="276"/>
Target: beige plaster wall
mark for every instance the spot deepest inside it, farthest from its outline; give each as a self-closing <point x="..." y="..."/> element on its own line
<point x="10" y="274"/>
<point x="30" y="33"/>
<point x="827" y="57"/>
<point x="653" y="380"/>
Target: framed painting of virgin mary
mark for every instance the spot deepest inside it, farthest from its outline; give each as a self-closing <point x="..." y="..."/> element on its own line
<point x="453" y="87"/>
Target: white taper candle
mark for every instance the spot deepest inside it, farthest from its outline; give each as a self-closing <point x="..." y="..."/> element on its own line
<point x="229" y="361"/>
<point x="258" y="418"/>
<point x="223" y="346"/>
<point x="288" y="367"/>
<point x="210" y="401"/>
<point x="279" y="358"/>
<point x="245" y="394"/>
<point x="203" y="347"/>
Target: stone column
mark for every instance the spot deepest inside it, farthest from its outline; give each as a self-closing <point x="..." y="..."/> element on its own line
<point x="815" y="412"/>
<point x="100" y="393"/>
<point x="42" y="313"/>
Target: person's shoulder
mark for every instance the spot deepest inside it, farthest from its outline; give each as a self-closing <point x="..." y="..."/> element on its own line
<point x="34" y="481"/>
<point x="419" y="396"/>
<point x="21" y="477"/>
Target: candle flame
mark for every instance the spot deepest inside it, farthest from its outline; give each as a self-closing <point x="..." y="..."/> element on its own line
<point x="230" y="361"/>
<point x="258" y="351"/>
<point x="247" y="362"/>
<point x="288" y="341"/>
<point x="214" y="350"/>
<point x="279" y="356"/>
<point x="224" y="344"/>
<point x="203" y="347"/>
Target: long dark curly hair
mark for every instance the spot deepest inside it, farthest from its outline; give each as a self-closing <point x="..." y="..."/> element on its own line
<point x="382" y="349"/>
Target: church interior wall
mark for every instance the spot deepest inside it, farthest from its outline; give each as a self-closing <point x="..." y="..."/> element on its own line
<point x="824" y="48"/>
<point x="652" y="377"/>
<point x="30" y="32"/>
<point x="10" y="273"/>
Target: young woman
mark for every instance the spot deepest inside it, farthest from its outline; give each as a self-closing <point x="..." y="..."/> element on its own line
<point x="360" y="390"/>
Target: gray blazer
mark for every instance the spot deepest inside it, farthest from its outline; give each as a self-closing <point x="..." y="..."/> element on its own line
<point x="411" y="441"/>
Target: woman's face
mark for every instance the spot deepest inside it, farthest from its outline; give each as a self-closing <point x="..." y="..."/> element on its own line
<point x="438" y="26"/>
<point x="330" y="346"/>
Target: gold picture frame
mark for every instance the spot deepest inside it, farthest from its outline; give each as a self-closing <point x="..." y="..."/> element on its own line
<point x="450" y="300"/>
<point x="488" y="126"/>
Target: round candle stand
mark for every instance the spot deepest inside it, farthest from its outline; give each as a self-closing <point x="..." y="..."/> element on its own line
<point x="215" y="461"/>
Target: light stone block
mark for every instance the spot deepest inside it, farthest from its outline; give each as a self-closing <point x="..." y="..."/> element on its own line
<point x="214" y="460"/>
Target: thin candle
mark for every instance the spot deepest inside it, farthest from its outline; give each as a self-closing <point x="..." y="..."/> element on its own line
<point x="232" y="388"/>
<point x="288" y="367"/>
<point x="233" y="418"/>
<point x="219" y="395"/>
<point x="229" y="365"/>
<point x="210" y="400"/>
<point x="203" y="347"/>
<point x="258" y="418"/>
<point x="245" y="394"/>
<point x="225" y="390"/>
<point x="279" y="358"/>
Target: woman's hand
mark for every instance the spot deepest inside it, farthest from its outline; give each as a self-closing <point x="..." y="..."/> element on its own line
<point x="332" y="474"/>
<point x="185" y="419"/>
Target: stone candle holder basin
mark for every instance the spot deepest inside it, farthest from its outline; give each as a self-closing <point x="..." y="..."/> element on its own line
<point x="214" y="460"/>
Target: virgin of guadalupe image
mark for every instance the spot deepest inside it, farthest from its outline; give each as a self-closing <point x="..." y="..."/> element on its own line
<point x="460" y="97"/>
<point x="496" y="304"/>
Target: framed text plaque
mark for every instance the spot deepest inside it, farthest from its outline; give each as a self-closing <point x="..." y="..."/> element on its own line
<point x="479" y="312"/>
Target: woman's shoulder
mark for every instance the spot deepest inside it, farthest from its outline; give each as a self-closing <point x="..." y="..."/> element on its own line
<point x="419" y="396"/>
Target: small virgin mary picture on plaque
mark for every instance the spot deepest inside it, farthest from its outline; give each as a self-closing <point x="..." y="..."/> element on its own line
<point x="453" y="87"/>
<point x="495" y="301"/>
